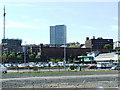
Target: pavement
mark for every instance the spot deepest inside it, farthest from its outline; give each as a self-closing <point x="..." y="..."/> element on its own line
<point x="59" y="77"/>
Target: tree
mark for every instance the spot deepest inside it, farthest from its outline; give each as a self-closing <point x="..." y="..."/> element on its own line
<point x="69" y="60"/>
<point x="4" y="58"/>
<point x="52" y="60"/>
<point x="37" y="57"/>
<point x="11" y="56"/>
<point x="74" y="46"/>
<point x="107" y="46"/>
<point x="117" y="49"/>
<point x="31" y="56"/>
<point x="57" y="60"/>
<point x="19" y="57"/>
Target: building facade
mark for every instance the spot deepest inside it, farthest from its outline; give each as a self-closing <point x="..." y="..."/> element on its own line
<point x="116" y="44"/>
<point x="98" y="43"/>
<point x="11" y="45"/>
<point x="58" y="34"/>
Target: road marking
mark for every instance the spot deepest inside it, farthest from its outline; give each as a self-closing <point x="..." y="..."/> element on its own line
<point x="59" y="77"/>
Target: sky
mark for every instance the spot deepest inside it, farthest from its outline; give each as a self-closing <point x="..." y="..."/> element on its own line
<point x="30" y="21"/>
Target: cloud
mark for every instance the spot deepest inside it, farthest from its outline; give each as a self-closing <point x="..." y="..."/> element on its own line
<point x="19" y="4"/>
<point x="88" y="27"/>
<point x="16" y="4"/>
<point x="114" y="27"/>
<point x="41" y="20"/>
<point x="60" y="0"/>
<point x="25" y="17"/>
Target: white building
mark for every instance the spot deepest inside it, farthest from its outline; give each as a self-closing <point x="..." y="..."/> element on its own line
<point x="107" y="57"/>
<point x="116" y="44"/>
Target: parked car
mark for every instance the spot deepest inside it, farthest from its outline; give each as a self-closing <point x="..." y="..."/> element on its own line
<point x="92" y="67"/>
<point x="115" y="68"/>
<point x="31" y="65"/>
<point x="37" y="65"/>
<point x="21" y="65"/>
<point x="3" y="69"/>
<point x="14" y="65"/>
<point x="7" y="65"/>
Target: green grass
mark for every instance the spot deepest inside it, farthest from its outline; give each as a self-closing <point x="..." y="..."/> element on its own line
<point x="16" y="68"/>
<point x="47" y="72"/>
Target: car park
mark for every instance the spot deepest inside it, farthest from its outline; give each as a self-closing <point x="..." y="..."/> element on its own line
<point x="115" y="68"/>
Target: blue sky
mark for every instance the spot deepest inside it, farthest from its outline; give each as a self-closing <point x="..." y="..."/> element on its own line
<point x="30" y="21"/>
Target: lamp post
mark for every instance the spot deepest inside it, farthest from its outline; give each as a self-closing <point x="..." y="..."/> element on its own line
<point x="64" y="56"/>
<point x="25" y="53"/>
<point x="91" y="52"/>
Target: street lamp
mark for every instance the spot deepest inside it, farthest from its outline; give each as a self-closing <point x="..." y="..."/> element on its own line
<point x="24" y="52"/>
<point x="64" y="56"/>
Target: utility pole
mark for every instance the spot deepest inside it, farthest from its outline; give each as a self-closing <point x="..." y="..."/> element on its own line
<point x="4" y="23"/>
<point x="64" y="54"/>
<point x="25" y="53"/>
<point x="64" y="51"/>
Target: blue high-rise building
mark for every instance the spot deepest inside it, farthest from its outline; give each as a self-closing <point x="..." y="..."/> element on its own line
<point x="58" y="34"/>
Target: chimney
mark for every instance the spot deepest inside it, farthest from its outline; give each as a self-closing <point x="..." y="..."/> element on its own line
<point x="93" y="37"/>
<point x="87" y="38"/>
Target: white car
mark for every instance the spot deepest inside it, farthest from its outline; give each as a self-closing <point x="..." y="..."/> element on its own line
<point x="3" y="69"/>
<point x="21" y="65"/>
<point x="31" y="65"/>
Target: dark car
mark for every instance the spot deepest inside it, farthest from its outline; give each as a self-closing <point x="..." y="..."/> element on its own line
<point x="92" y="67"/>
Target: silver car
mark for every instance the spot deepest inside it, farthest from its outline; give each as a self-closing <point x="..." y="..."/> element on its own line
<point x="3" y="69"/>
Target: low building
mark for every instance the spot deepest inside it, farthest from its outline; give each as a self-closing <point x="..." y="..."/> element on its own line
<point x="32" y="48"/>
<point x="86" y="59"/>
<point x="116" y="44"/>
<point x="58" y="52"/>
<point x="11" y="45"/>
<point x="98" y="43"/>
<point x="107" y="57"/>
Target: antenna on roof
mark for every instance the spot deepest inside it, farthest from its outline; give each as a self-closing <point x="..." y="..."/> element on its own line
<point x="4" y="23"/>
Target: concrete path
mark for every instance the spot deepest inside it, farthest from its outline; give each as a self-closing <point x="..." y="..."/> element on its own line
<point x="60" y="77"/>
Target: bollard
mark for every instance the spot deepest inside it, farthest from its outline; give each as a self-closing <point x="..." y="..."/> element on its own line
<point x="84" y="83"/>
<point x="80" y="69"/>
<point x="43" y="85"/>
<point x="18" y="70"/>
<point x="33" y="85"/>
